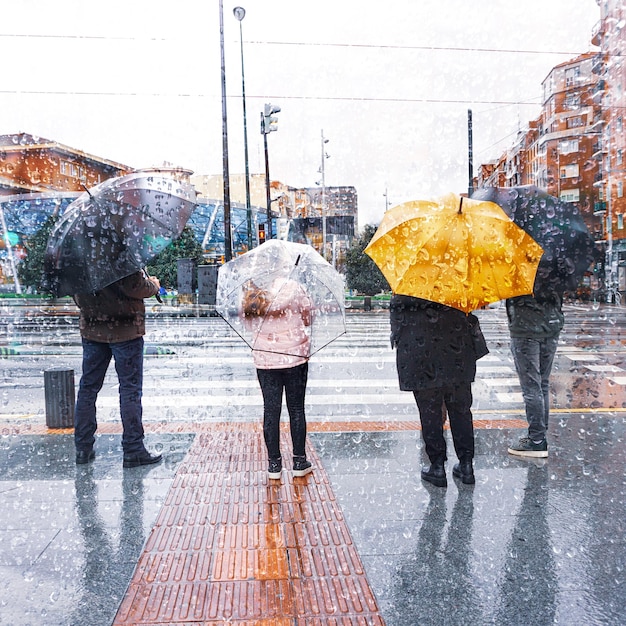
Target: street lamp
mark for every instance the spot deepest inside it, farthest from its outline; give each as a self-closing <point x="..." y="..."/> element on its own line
<point x="228" y="244"/>
<point x="240" y="13"/>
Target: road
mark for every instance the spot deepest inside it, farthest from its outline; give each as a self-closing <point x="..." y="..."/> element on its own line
<point x="197" y="370"/>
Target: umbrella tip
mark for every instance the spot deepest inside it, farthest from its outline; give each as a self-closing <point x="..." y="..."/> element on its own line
<point x="298" y="260"/>
<point x="461" y="206"/>
<point x="87" y="190"/>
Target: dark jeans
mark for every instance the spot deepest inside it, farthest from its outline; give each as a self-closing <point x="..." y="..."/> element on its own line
<point x="533" y="362"/>
<point x="293" y="380"/>
<point x="128" y="357"/>
<point x="458" y="401"/>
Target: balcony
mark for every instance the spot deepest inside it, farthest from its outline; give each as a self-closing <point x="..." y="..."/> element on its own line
<point x="599" y="65"/>
<point x="599" y="208"/>
<point x="597" y="32"/>
<point x="598" y="90"/>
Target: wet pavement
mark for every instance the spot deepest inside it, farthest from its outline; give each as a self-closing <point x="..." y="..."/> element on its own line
<point x="533" y="542"/>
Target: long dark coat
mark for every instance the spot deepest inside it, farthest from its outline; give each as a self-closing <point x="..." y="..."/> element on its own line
<point x="434" y="344"/>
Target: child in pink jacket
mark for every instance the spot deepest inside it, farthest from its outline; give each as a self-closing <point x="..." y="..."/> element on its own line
<point x="280" y="318"/>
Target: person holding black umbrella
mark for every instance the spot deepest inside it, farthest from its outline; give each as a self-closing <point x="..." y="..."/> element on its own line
<point x="112" y="324"/>
<point x="535" y="323"/>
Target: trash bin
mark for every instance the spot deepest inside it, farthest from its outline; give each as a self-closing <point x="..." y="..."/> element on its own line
<point x="60" y="398"/>
<point x="367" y="303"/>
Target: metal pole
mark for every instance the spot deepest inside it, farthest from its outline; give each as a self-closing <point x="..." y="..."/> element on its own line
<point x="240" y="13"/>
<point x="609" y="218"/>
<point x="470" y="154"/>
<point x="9" y="249"/>
<point x="323" y="200"/>
<point x="268" y="197"/>
<point x="228" y="244"/>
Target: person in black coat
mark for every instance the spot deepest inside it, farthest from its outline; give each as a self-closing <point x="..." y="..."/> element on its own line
<point x="436" y="359"/>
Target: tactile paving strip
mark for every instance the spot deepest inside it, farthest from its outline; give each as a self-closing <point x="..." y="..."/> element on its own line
<point x="113" y="428"/>
<point x="231" y="546"/>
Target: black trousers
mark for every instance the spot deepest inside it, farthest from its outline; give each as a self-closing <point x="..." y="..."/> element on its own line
<point x="458" y="402"/>
<point x="293" y="380"/>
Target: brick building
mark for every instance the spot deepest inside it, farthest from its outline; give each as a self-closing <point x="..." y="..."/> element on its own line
<point x="610" y="36"/>
<point x="30" y="164"/>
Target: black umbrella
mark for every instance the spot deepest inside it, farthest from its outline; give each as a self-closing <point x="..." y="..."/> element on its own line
<point x="557" y="226"/>
<point x="115" y="229"/>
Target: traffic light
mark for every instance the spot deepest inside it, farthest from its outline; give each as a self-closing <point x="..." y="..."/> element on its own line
<point x="261" y="233"/>
<point x="269" y="123"/>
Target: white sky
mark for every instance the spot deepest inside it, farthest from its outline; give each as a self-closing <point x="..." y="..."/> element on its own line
<point x="389" y="83"/>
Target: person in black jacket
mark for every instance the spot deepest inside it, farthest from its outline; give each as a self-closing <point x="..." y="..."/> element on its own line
<point x="535" y="323"/>
<point x="436" y="360"/>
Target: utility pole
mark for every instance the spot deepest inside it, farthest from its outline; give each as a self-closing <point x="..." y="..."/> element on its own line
<point x="228" y="243"/>
<point x="269" y="123"/>
<point x="323" y="181"/>
<point x="470" y="154"/>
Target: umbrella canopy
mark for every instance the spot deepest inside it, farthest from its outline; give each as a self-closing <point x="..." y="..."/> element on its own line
<point x="558" y="227"/>
<point x="115" y="229"/>
<point x="265" y="280"/>
<point x="458" y="252"/>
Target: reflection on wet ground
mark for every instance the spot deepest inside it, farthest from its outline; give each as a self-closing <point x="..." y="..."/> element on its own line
<point x="71" y="535"/>
<point x="533" y="542"/>
<point x="530" y="543"/>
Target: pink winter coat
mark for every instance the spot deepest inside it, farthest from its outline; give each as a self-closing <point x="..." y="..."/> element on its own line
<point x="282" y="337"/>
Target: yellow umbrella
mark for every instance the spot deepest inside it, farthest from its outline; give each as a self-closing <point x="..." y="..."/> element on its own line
<point x="459" y="252"/>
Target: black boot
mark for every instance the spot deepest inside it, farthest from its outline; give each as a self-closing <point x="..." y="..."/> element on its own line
<point x="464" y="470"/>
<point x="435" y="474"/>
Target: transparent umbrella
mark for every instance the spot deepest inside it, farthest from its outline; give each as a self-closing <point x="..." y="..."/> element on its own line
<point x="276" y="284"/>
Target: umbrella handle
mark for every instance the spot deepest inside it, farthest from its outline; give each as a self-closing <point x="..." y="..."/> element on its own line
<point x="158" y="298"/>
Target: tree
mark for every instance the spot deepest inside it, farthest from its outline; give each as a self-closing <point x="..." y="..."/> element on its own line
<point x="362" y="273"/>
<point x="165" y="267"/>
<point x="30" y="269"/>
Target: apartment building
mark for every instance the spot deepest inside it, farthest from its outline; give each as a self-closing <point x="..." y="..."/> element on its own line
<point x="610" y="35"/>
<point x="30" y="164"/>
<point x="576" y="148"/>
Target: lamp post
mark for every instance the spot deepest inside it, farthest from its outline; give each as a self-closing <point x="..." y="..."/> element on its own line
<point x="228" y="244"/>
<point x="240" y="13"/>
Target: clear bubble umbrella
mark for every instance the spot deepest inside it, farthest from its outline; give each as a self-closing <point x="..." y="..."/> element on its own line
<point x="277" y="284"/>
<point x="114" y="229"/>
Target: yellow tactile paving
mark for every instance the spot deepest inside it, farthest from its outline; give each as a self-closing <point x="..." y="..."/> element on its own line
<point x="231" y="546"/>
<point x="115" y="428"/>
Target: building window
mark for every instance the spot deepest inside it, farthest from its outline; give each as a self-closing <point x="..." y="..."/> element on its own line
<point x="569" y="171"/>
<point x="619" y="157"/>
<point x="572" y="102"/>
<point x="620" y="189"/>
<point x="620" y="221"/>
<point x="619" y="124"/>
<point x="575" y="122"/>
<point x="570" y="195"/>
<point x="571" y="76"/>
<point x="568" y="146"/>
